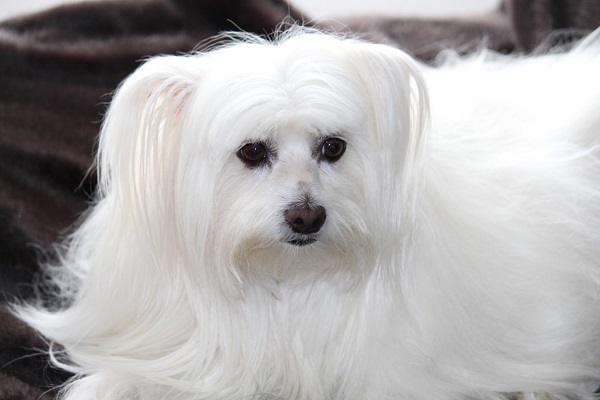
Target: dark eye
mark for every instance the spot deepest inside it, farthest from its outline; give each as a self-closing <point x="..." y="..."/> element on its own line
<point x="253" y="154"/>
<point x="332" y="149"/>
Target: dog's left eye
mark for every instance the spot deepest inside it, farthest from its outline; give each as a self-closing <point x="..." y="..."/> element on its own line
<point x="253" y="154"/>
<point x="332" y="149"/>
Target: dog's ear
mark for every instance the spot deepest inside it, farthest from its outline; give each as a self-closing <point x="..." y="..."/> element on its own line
<point x="398" y="121"/>
<point x="401" y="106"/>
<point x="139" y="141"/>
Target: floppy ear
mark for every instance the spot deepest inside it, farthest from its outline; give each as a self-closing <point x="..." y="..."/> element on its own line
<point x="139" y="140"/>
<point x="399" y="122"/>
<point x="401" y="114"/>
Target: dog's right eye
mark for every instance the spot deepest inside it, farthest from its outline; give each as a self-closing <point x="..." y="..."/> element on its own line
<point x="253" y="154"/>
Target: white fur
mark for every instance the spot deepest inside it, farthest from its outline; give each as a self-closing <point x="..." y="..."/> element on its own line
<point x="460" y="257"/>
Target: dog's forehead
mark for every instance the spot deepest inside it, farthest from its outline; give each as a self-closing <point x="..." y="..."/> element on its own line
<point x="274" y="93"/>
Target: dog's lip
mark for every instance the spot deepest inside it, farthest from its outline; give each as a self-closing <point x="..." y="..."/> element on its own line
<point x="302" y="241"/>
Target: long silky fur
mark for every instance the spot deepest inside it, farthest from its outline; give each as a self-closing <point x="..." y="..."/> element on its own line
<point x="460" y="258"/>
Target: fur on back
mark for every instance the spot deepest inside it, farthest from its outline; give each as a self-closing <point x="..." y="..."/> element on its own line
<point x="460" y="257"/>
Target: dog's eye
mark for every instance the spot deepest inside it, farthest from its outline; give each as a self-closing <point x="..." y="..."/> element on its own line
<point x="253" y="154"/>
<point x="332" y="149"/>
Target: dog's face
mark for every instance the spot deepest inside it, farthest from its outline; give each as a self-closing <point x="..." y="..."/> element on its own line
<point x="270" y="160"/>
<point x="294" y="197"/>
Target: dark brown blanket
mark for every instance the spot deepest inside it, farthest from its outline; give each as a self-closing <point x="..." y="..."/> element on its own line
<point x="58" y="68"/>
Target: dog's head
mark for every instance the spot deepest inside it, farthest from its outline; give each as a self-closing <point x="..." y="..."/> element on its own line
<point x="264" y="158"/>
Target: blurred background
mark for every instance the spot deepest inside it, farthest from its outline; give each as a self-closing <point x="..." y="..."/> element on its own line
<point x="319" y="8"/>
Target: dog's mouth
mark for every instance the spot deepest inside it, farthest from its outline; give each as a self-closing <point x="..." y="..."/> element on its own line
<point x="302" y="241"/>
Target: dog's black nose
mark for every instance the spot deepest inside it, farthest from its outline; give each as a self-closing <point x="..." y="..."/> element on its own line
<point x="306" y="220"/>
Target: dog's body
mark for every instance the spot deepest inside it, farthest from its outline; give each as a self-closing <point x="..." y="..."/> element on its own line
<point x="296" y="229"/>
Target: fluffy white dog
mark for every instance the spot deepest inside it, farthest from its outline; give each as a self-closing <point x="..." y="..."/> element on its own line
<point x="322" y="218"/>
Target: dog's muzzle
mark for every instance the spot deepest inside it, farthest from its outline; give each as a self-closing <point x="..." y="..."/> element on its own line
<point x="305" y="222"/>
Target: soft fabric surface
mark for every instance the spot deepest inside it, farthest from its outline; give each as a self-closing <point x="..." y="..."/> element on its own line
<point x="58" y="68"/>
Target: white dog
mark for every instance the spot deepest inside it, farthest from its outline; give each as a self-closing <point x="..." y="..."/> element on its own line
<point x="326" y="219"/>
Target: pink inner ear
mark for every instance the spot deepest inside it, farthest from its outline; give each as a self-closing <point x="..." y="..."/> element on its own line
<point x="176" y="94"/>
<point x="182" y="96"/>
